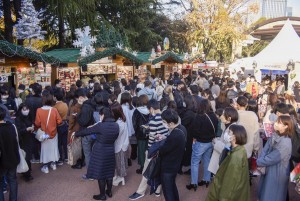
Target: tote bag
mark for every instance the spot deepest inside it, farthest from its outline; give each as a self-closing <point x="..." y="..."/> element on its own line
<point x="74" y="150"/>
<point x="40" y="133"/>
<point x="23" y="166"/>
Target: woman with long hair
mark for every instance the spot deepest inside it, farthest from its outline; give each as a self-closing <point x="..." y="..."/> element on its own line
<point x="128" y="109"/>
<point x="49" y="147"/>
<point x="207" y="94"/>
<point x="159" y="88"/>
<point x="121" y="144"/>
<point x="222" y="101"/>
<point x="273" y="185"/>
<point x="204" y="128"/>
<point x="169" y="92"/>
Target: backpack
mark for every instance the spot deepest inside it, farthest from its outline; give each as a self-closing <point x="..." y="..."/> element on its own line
<point x="296" y="145"/>
<point x="85" y="117"/>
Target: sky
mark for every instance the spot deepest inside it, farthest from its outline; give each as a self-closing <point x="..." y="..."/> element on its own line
<point x="296" y="7"/>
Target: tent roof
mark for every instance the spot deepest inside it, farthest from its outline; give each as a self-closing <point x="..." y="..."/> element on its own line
<point x="284" y="47"/>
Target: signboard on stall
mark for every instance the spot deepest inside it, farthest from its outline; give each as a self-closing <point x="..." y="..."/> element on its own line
<point x="3" y="79"/>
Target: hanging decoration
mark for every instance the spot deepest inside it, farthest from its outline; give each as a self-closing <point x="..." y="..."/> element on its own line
<point x="166" y="43"/>
<point x="85" y="41"/>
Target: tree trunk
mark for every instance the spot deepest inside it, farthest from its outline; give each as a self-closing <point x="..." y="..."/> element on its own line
<point x="61" y="31"/>
<point x="17" y="6"/>
<point x="8" y="23"/>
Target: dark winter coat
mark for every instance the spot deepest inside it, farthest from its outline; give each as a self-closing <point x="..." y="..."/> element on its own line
<point x="186" y="120"/>
<point x="102" y="162"/>
<point x="8" y="147"/>
<point x="33" y="103"/>
<point x="202" y="129"/>
<point x="7" y="116"/>
<point x="85" y="117"/>
<point x="171" y="152"/>
<point x="139" y="119"/>
<point x="11" y="104"/>
<point x="25" y="137"/>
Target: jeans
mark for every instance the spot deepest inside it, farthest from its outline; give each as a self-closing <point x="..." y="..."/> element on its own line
<point x="200" y="151"/>
<point x="87" y="143"/>
<point x="63" y="141"/>
<point x="168" y="182"/>
<point x="11" y="176"/>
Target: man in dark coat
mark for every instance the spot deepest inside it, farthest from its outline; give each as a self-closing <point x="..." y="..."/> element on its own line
<point x="171" y="154"/>
<point x="9" y="156"/>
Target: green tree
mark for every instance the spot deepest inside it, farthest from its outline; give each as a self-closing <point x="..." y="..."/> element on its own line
<point x="215" y="25"/>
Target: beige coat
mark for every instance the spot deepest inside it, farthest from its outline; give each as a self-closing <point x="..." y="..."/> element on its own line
<point x="249" y="120"/>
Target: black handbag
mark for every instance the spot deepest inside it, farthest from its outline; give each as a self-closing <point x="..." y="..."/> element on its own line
<point x="153" y="169"/>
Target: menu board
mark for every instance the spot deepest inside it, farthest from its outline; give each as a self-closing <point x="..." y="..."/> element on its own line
<point x="26" y="76"/>
<point x="125" y="72"/>
<point x="68" y="76"/>
<point x="100" y="69"/>
<point x="31" y="75"/>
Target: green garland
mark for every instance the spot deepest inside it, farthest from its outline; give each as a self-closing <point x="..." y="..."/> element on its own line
<point x="11" y="50"/>
<point x="107" y="53"/>
<point x="166" y="56"/>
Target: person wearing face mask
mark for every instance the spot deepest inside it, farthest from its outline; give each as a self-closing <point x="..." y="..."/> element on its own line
<point x="273" y="184"/>
<point x="102" y="161"/>
<point x="25" y="130"/>
<point x="8" y="99"/>
<point x="22" y="93"/>
<point x="232" y="179"/>
<point x="229" y="117"/>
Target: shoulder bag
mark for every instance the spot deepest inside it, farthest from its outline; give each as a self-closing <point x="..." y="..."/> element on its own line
<point x="40" y="134"/>
<point x="211" y="123"/>
<point x="22" y="166"/>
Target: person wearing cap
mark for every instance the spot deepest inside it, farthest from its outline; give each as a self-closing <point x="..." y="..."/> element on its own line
<point x="22" y="93"/>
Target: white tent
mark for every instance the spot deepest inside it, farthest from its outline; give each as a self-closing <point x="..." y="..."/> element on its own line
<point x="283" y="48"/>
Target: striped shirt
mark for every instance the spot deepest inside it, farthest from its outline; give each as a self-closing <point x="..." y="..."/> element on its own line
<point x="156" y="127"/>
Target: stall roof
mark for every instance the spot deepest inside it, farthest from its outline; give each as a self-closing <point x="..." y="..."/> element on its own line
<point x="67" y="55"/>
<point x="144" y="56"/>
<point x="11" y="50"/>
<point x="168" y="57"/>
<point x="110" y="52"/>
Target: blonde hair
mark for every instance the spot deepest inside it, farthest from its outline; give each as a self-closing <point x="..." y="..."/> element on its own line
<point x="169" y="91"/>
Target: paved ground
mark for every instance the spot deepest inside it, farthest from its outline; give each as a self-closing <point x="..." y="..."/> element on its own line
<point x="66" y="184"/>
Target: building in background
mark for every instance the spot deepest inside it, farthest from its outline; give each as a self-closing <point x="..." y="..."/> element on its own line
<point x="274" y="8"/>
<point x="289" y="11"/>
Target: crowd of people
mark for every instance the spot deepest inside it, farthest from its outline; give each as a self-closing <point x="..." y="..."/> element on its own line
<point x="169" y="126"/>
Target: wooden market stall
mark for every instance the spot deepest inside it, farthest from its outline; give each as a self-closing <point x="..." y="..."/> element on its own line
<point x="113" y="63"/>
<point x="165" y="64"/>
<point x="19" y="65"/>
<point x="68" y="71"/>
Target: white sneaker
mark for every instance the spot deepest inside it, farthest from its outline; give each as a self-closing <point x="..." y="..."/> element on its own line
<point x="45" y="169"/>
<point x="53" y="166"/>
